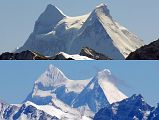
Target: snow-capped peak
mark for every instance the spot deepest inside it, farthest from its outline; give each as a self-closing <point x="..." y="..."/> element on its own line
<point x="55" y="74"/>
<point x="53" y="69"/>
<point x="102" y="5"/>
<point x="104" y="73"/>
<point x="101" y="90"/>
<point x="53" y="9"/>
<point x="51" y="77"/>
<point x="106" y="81"/>
<point x="48" y="20"/>
<point x="102" y="8"/>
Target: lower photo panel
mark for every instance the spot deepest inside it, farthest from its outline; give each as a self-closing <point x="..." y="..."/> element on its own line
<point x="79" y="90"/>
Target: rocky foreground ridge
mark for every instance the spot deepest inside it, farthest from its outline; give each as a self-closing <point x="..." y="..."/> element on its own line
<point x="147" y="52"/>
<point x="85" y="54"/>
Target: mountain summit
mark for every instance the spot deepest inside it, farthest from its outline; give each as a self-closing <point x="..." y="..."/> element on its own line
<point x="102" y="8"/>
<point x="48" y="20"/>
<point x="55" y="32"/>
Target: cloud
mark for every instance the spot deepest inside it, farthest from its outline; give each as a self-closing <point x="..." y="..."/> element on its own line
<point x="116" y="81"/>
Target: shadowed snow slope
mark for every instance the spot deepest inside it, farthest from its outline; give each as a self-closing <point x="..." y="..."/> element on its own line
<point x="88" y="95"/>
<point x="55" y="32"/>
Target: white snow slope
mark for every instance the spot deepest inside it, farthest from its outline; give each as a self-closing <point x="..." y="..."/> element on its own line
<point x="60" y="110"/>
<point x="74" y="57"/>
<point x="55" y="32"/>
<point x="87" y="95"/>
<point x="57" y="110"/>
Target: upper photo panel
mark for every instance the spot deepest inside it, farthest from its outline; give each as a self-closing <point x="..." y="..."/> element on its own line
<point x="79" y="30"/>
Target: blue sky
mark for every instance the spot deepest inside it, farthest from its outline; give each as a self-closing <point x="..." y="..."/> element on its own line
<point x="17" y="17"/>
<point x="18" y="77"/>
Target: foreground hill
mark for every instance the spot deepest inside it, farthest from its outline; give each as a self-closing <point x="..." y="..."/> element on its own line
<point x="147" y="52"/>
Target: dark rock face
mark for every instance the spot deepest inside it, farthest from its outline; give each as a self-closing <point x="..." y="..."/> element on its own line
<point x="60" y="56"/>
<point x="29" y="55"/>
<point x="93" y="54"/>
<point x="147" y="52"/>
<point x="25" y="55"/>
<point x="133" y="108"/>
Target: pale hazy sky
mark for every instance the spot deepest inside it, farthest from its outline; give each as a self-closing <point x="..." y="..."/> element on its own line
<point x="17" y="17"/>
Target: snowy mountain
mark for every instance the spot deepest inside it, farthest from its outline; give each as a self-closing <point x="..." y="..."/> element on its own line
<point x="30" y="111"/>
<point x="26" y="111"/>
<point x="87" y="95"/>
<point x="55" y="32"/>
<point x="53" y="83"/>
<point x="133" y="108"/>
<point x="99" y="92"/>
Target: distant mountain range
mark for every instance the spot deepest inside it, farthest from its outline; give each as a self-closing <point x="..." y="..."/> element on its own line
<point x="56" y="97"/>
<point x="56" y="32"/>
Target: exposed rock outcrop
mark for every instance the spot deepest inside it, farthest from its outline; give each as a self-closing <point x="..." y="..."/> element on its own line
<point x="93" y="54"/>
<point x="147" y="52"/>
<point x="25" y="55"/>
